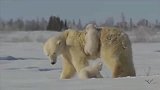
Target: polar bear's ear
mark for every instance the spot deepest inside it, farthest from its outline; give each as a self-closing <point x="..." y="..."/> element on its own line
<point x="58" y="42"/>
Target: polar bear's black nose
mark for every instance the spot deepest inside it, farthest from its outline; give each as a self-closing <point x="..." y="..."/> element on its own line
<point x="53" y="63"/>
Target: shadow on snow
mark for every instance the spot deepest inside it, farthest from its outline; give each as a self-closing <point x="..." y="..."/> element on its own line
<point x="10" y="58"/>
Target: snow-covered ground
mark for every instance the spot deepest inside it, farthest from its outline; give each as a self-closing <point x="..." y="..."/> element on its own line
<point x="23" y="66"/>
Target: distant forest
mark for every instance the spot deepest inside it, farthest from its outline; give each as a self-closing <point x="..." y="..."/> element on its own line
<point x="55" y="23"/>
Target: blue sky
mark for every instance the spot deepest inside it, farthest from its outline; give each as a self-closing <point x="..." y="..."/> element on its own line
<point x="86" y="10"/>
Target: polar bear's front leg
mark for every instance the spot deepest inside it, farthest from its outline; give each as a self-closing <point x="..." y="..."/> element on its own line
<point x="79" y="63"/>
<point x="83" y="75"/>
<point x="68" y="70"/>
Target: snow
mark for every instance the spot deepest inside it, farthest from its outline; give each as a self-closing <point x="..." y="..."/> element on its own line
<point x="8" y="58"/>
<point x="23" y="66"/>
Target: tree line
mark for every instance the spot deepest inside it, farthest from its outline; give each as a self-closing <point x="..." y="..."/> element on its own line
<point x="55" y="23"/>
<point x="23" y="25"/>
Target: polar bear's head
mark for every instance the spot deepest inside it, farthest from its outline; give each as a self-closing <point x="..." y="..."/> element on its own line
<point x="90" y="27"/>
<point x="52" y="48"/>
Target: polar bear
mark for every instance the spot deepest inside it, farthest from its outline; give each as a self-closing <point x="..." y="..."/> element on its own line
<point x="91" y="71"/>
<point x="92" y="40"/>
<point x="115" y="51"/>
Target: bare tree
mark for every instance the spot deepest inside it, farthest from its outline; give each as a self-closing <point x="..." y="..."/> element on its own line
<point x="109" y="21"/>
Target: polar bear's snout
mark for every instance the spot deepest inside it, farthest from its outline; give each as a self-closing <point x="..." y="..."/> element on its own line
<point x="53" y="59"/>
<point x="53" y="63"/>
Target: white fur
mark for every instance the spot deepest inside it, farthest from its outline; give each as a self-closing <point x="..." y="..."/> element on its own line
<point x="92" y="40"/>
<point x="91" y="71"/>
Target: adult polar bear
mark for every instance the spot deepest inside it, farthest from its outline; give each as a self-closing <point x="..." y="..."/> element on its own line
<point x="115" y="51"/>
